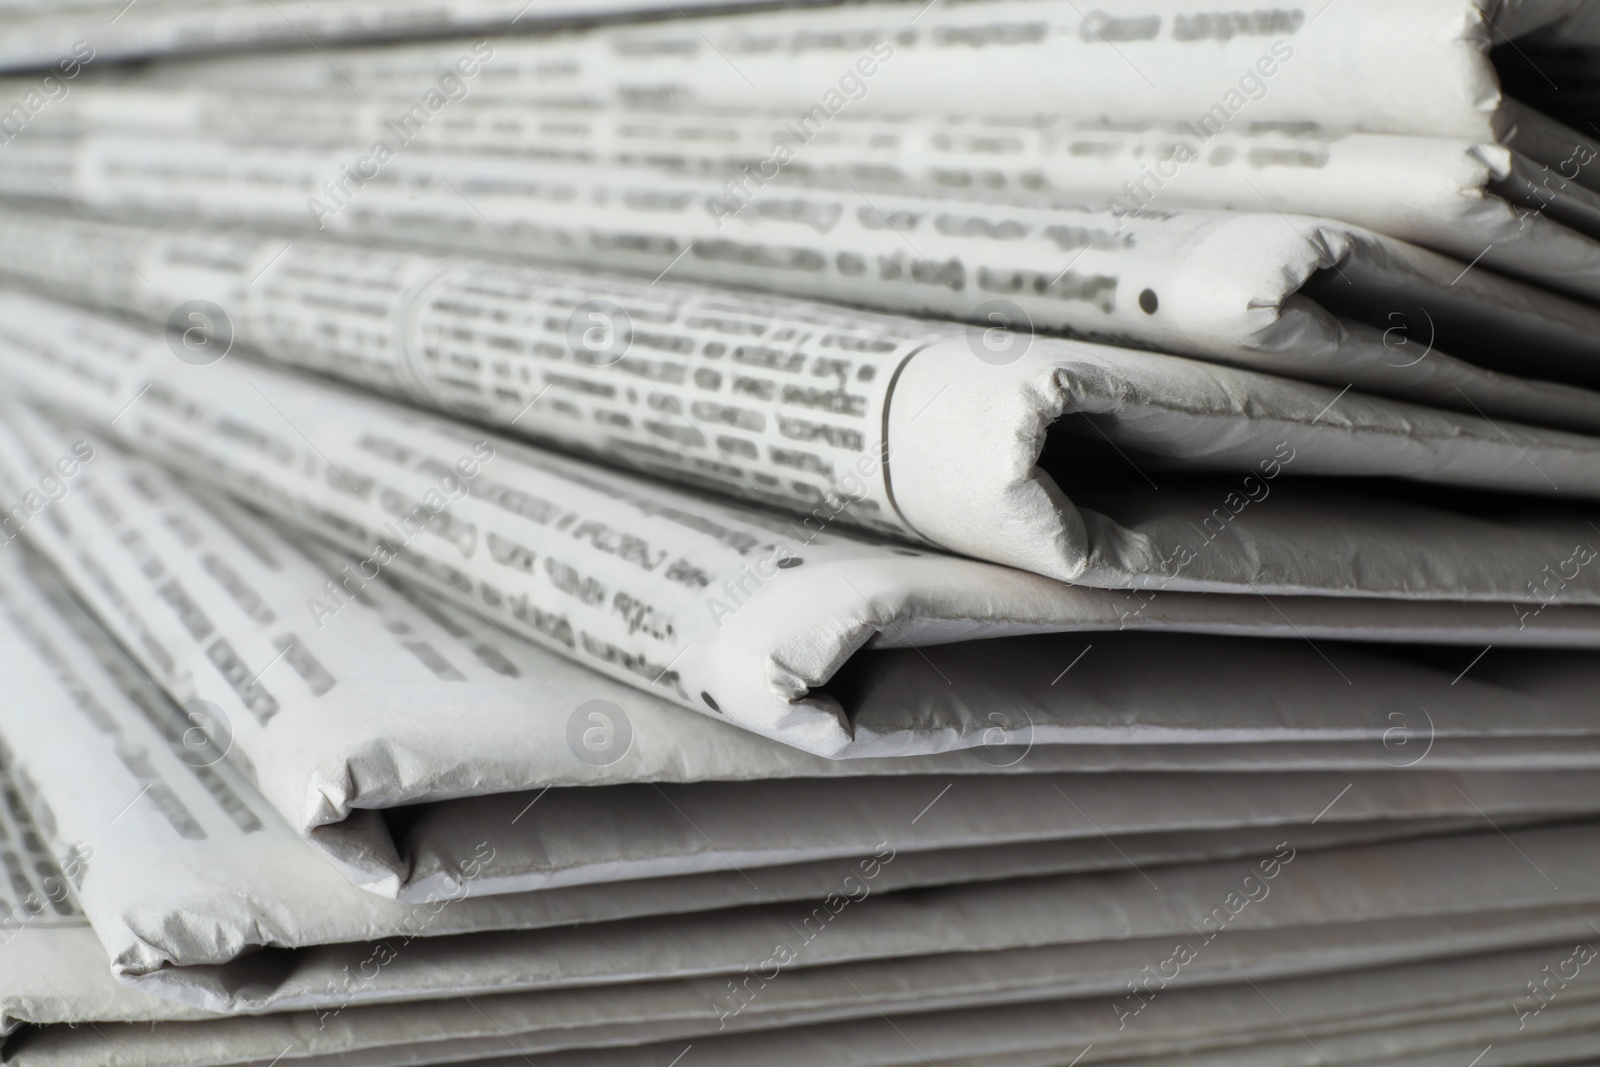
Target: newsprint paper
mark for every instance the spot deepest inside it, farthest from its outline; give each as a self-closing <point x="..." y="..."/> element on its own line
<point x="1425" y="66"/>
<point x="232" y="878"/>
<point x="36" y="34"/>
<point x="207" y="605"/>
<point x="1301" y="296"/>
<point x="668" y="633"/>
<point x="1476" y="201"/>
<point x="885" y="442"/>
<point x="189" y="806"/>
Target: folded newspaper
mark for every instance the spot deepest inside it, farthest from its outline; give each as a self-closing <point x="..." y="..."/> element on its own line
<point x="900" y="437"/>
<point x="181" y="871"/>
<point x="185" y="871"/>
<point x="1441" y="1003"/>
<point x="636" y="580"/>
<point x="1439" y="1007"/>
<point x="207" y="612"/>
<point x="1478" y="202"/>
<point x="1425" y="68"/>
<point x="1305" y="297"/>
<point x="49" y="35"/>
<point x="1216" y="675"/>
<point x="1463" y="997"/>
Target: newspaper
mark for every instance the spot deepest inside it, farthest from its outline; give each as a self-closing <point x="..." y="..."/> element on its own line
<point x="52" y="967"/>
<point x="56" y="973"/>
<point x="1439" y="1044"/>
<point x="326" y="759"/>
<point x="801" y="420"/>
<point x="332" y="965"/>
<point x="671" y="827"/>
<point x="1025" y="913"/>
<point x="280" y="296"/>
<point x="1223" y="1026"/>
<point x="132" y="536"/>
<point x="661" y="634"/>
<point x="1414" y="936"/>
<point x="458" y="1029"/>
<point x="1305" y="297"/>
<point x="1477" y="202"/>
<point x="1426" y="69"/>
<point x="191" y="871"/>
<point x="694" y="828"/>
<point x="36" y="35"/>
<point x="940" y="444"/>
<point x="1507" y="710"/>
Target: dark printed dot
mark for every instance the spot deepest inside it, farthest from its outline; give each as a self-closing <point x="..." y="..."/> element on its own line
<point x="1148" y="301"/>
<point x="712" y="704"/>
<point x="790" y="561"/>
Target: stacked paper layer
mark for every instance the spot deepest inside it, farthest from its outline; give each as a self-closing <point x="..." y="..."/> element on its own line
<point x="867" y="535"/>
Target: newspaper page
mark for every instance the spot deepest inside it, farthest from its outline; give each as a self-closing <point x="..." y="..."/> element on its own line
<point x="209" y="605"/>
<point x="1426" y="66"/>
<point x="37" y="35"/>
<point x="306" y="750"/>
<point x="230" y="896"/>
<point x="557" y="846"/>
<point x="418" y="325"/>
<point x="184" y="858"/>
<point x="1403" y="880"/>
<point x="1099" y="713"/>
<point x="456" y="1030"/>
<point x="773" y="399"/>
<point x="663" y="631"/>
<point x="239" y="879"/>
<point x="1505" y="697"/>
<point x="57" y="973"/>
<point x="153" y="561"/>
<point x="1477" y="202"/>
<point x="1025" y="1037"/>
<point x="1245" y="289"/>
<point x="1017" y="721"/>
<point x="453" y="1030"/>
<point x="1018" y="809"/>
<point x="176" y="423"/>
<point x="908" y="455"/>
<point x="1360" y="1016"/>
<point x="243" y="877"/>
<point x="1520" y="709"/>
<point x="52" y="967"/>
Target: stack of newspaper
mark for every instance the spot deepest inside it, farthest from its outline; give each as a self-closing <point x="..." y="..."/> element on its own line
<point x="950" y="533"/>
